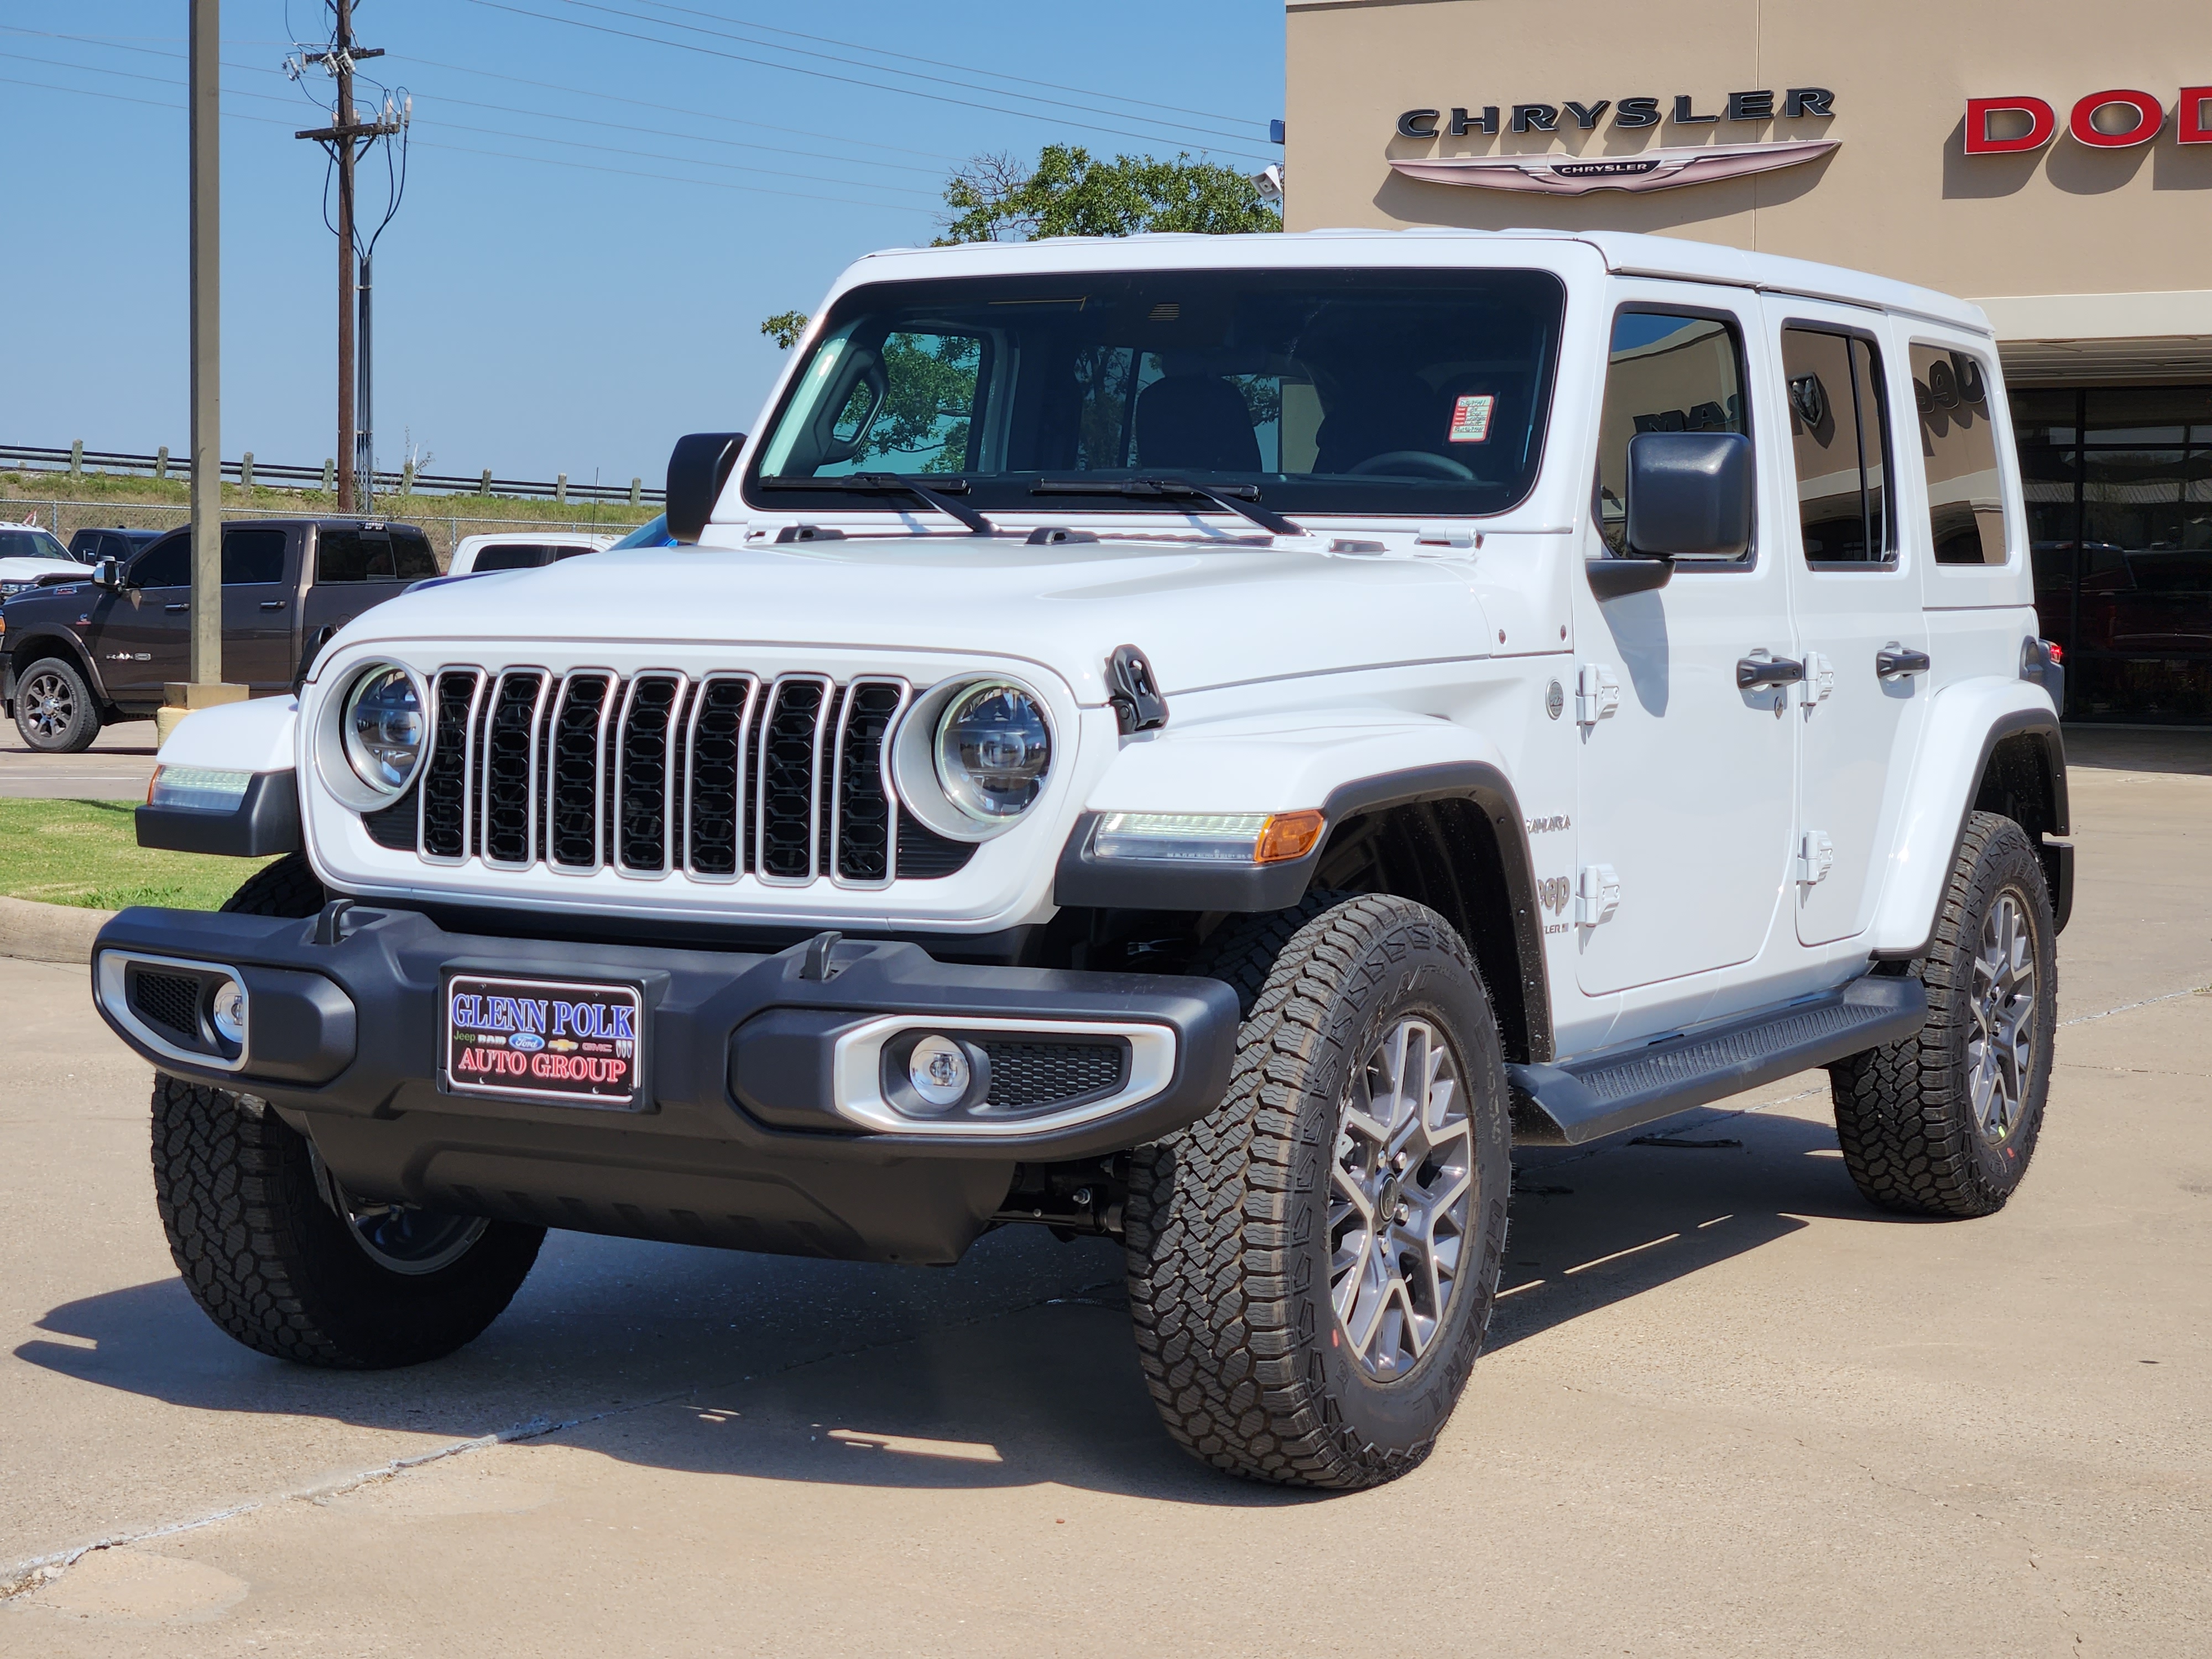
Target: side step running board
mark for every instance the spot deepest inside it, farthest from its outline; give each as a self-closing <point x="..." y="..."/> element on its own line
<point x="1615" y="1089"/>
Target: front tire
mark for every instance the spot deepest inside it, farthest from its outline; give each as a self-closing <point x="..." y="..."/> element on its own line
<point x="55" y="709"/>
<point x="1312" y="1266"/>
<point x="281" y="1256"/>
<point x="1945" y="1123"/>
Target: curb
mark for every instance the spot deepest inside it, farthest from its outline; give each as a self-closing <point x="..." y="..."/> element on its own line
<point x="49" y="932"/>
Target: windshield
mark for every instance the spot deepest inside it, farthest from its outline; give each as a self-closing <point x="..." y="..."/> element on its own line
<point x="1341" y="390"/>
<point x="24" y="544"/>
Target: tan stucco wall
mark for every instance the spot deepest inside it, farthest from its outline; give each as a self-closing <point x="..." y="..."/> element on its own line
<point x="1898" y="196"/>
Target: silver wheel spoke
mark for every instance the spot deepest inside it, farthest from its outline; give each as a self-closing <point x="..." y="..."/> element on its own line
<point x="2001" y="1048"/>
<point x="1399" y="1194"/>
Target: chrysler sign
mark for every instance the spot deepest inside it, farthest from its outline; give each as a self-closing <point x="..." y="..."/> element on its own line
<point x="1560" y="173"/>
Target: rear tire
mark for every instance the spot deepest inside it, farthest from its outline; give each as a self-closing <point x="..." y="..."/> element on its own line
<point x="55" y="709"/>
<point x="1312" y="1265"/>
<point x="1945" y="1123"/>
<point x="277" y="1252"/>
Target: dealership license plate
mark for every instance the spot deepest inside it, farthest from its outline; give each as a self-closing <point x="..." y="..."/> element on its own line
<point x="581" y="1043"/>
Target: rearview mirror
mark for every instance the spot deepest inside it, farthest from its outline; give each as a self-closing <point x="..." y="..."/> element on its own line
<point x="108" y="573"/>
<point x="1689" y="495"/>
<point x="698" y="467"/>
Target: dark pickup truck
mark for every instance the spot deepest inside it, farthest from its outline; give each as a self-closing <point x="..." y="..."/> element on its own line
<point x="79" y="656"/>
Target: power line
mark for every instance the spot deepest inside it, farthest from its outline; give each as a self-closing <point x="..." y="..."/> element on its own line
<point x="940" y="63"/>
<point x="511" y="109"/>
<point x="463" y="150"/>
<point x="528" y="137"/>
<point x="966" y="79"/>
<point x="823" y="75"/>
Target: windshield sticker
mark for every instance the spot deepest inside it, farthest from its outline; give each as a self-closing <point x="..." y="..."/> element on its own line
<point x="1470" y="422"/>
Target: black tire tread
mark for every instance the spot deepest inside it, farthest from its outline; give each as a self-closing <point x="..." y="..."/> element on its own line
<point x="1213" y="1309"/>
<point x="1905" y="1143"/>
<point x="88" y="724"/>
<point x="261" y="1252"/>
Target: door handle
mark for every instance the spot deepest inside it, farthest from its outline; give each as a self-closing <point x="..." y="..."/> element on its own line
<point x="1756" y="673"/>
<point x="272" y="604"/>
<point x="172" y="609"/>
<point x="1894" y="662"/>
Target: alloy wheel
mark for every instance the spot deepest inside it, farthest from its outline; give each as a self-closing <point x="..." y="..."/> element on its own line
<point x="49" y="706"/>
<point x="2001" y="1046"/>
<point x="1400" y="1193"/>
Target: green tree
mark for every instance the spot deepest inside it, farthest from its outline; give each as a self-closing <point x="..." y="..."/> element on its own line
<point x="1069" y="193"/>
<point x="785" y="328"/>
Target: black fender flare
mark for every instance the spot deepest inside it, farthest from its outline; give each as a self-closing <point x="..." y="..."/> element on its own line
<point x="1086" y="881"/>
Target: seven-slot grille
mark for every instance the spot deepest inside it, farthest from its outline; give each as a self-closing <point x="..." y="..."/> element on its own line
<point x="715" y="778"/>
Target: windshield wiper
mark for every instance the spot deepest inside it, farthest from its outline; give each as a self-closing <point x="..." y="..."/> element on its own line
<point x="1239" y="498"/>
<point x="891" y="483"/>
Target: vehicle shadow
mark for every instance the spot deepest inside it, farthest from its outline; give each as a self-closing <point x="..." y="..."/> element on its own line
<point x="1016" y="1368"/>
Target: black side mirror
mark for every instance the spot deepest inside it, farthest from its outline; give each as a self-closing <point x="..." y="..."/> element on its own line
<point x="698" y="467"/>
<point x="1689" y="495"/>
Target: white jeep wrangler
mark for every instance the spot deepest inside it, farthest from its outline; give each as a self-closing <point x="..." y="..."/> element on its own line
<point x="1201" y="741"/>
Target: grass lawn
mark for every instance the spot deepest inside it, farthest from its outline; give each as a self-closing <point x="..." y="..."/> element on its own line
<point x="87" y="853"/>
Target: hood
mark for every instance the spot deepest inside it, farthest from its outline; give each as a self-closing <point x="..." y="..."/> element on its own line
<point x="29" y="570"/>
<point x="1205" y="614"/>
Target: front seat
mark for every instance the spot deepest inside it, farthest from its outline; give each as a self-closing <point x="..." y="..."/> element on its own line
<point x="1195" y="423"/>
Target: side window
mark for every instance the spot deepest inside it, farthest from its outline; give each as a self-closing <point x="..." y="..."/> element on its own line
<point x="251" y="557"/>
<point x="1668" y="373"/>
<point x="1839" y="439"/>
<point x="1959" y="448"/>
<point x="167" y="563"/>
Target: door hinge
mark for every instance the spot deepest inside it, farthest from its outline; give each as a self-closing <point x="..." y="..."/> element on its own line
<point x="1599" y="896"/>
<point x="1597" y="694"/>
<point x="1819" y="678"/>
<point x="1816" y="856"/>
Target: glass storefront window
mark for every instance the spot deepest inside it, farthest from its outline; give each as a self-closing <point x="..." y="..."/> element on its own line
<point x="2120" y="516"/>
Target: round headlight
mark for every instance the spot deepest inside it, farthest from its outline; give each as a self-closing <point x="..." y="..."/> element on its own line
<point x="994" y="749"/>
<point x="382" y="726"/>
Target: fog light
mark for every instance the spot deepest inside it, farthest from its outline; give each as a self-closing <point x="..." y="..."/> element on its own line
<point x="939" y="1071"/>
<point x="229" y="1012"/>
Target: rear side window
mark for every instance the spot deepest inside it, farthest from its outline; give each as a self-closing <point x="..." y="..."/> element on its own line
<point x="1959" y="448"/>
<point x="1839" y="439"/>
<point x="167" y="563"/>
<point x="253" y="556"/>
<point x="397" y="553"/>
<point x="1668" y="373"/>
<point x="512" y="555"/>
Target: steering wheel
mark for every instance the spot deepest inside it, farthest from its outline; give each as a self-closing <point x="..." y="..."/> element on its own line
<point x="1418" y="462"/>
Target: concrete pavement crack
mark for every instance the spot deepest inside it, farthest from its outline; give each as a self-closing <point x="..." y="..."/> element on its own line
<point x="40" y="1571"/>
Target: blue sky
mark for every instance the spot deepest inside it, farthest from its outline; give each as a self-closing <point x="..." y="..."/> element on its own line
<point x="587" y="246"/>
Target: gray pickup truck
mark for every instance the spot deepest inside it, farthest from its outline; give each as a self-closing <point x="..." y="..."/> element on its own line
<point x="79" y="656"/>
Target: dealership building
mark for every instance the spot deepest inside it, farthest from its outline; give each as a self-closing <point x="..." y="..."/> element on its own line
<point x="2051" y="161"/>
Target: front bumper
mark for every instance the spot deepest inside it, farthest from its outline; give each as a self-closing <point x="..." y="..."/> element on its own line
<point x="747" y="1133"/>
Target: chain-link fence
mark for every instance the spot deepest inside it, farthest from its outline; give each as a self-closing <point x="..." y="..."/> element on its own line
<point x="64" y="519"/>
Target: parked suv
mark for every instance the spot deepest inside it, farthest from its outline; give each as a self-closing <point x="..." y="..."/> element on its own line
<point x="85" y="653"/>
<point x="1200" y="741"/>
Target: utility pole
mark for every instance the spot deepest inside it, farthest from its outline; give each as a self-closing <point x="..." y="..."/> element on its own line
<point x="204" y="687"/>
<point x="347" y="139"/>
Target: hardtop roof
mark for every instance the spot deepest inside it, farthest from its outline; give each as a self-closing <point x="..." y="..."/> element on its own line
<point x="1624" y="253"/>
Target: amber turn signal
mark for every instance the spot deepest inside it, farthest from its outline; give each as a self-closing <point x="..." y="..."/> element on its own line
<point x="1288" y="836"/>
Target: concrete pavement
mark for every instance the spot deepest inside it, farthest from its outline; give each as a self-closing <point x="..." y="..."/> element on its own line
<point x="115" y="768"/>
<point x="1726" y="1407"/>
